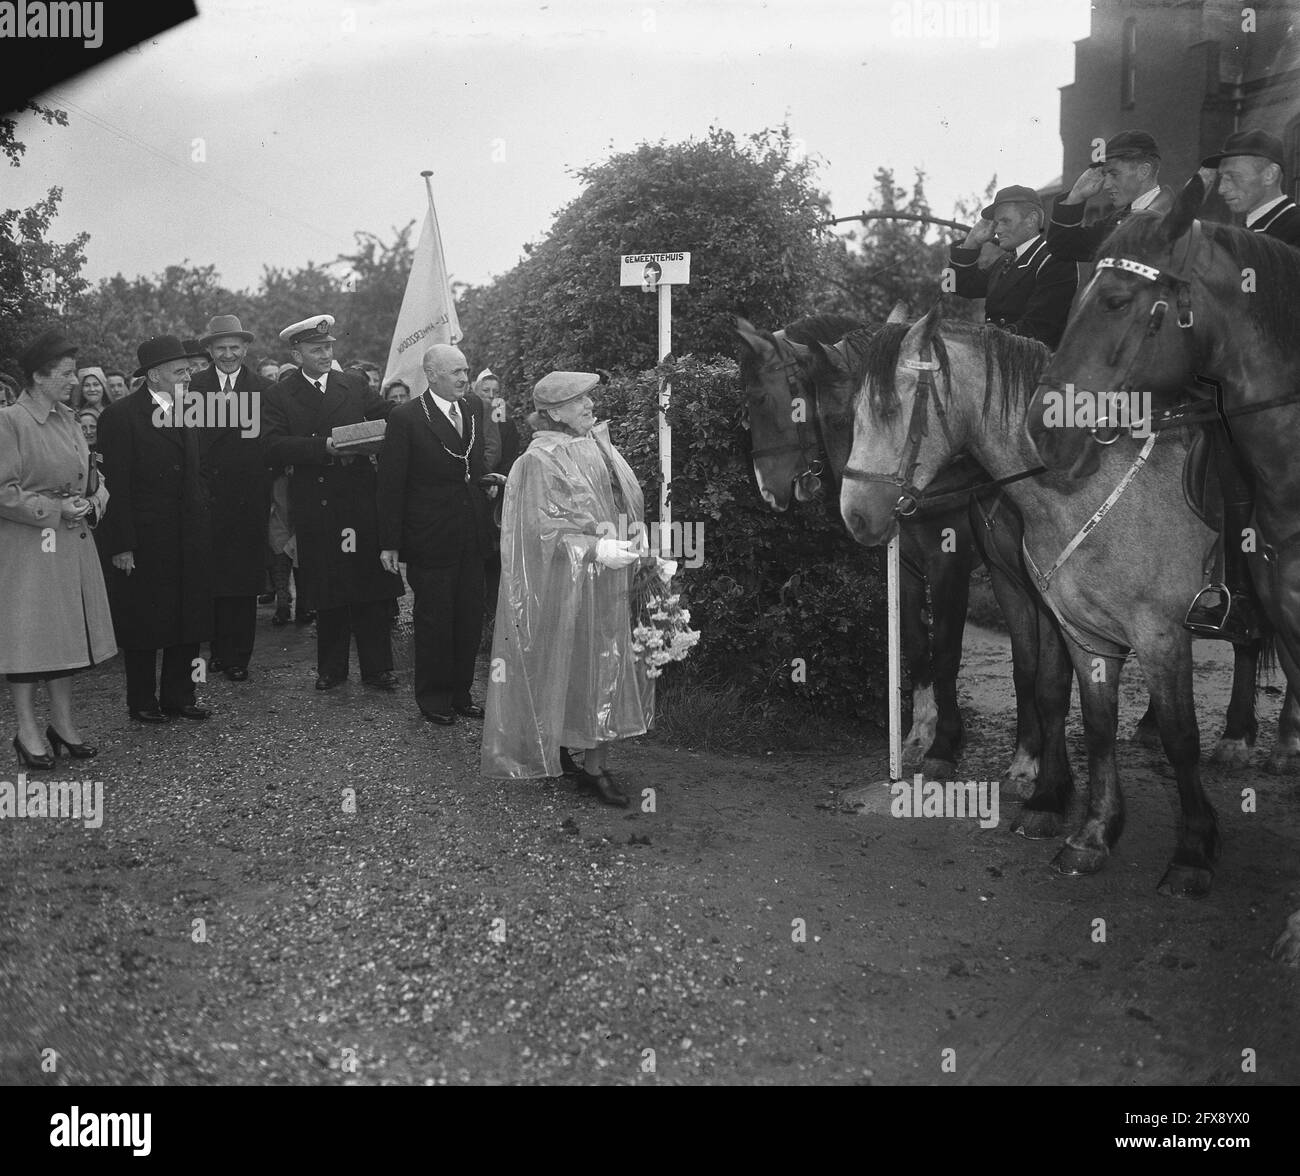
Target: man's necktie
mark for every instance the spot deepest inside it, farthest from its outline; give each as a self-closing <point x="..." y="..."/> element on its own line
<point x="454" y="413"/>
<point x="319" y="387"/>
<point x="230" y="385"/>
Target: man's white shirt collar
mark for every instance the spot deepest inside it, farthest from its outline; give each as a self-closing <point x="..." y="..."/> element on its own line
<point x="1144" y="201"/>
<point x="1263" y="210"/>
<point x="445" y="405"/>
<point x="1025" y="246"/>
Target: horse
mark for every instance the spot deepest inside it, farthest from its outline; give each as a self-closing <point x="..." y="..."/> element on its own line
<point x="1087" y="543"/>
<point x="800" y="416"/>
<point x="1235" y="294"/>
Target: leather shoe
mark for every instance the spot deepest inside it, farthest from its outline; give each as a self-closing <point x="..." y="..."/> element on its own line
<point x="442" y="718"/>
<point x="215" y="665"/>
<point x="237" y="673"/>
<point x="470" y="710"/>
<point x="150" y="716"/>
<point x="325" y="682"/>
<point x="76" y="750"/>
<point x="187" y="712"/>
<point x="304" y="618"/>
<point x="603" y="787"/>
<point x="385" y="681"/>
<point x="266" y="598"/>
<point x="567" y="765"/>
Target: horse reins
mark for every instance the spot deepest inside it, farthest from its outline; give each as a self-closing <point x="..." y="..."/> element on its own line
<point x="910" y="497"/>
<point x="819" y="462"/>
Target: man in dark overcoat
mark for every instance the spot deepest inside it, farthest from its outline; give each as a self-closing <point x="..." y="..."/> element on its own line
<point x="434" y="516"/>
<point x="241" y="493"/>
<point x="156" y="533"/>
<point x="332" y="503"/>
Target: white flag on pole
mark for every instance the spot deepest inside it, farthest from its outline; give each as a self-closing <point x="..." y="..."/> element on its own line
<point x="428" y="314"/>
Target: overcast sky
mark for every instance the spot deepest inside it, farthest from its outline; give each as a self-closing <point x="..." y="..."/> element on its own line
<point x="267" y="133"/>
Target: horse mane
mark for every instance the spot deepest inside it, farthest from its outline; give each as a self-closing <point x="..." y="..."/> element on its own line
<point x="1276" y="266"/>
<point x="1012" y="364"/>
<point x="813" y="328"/>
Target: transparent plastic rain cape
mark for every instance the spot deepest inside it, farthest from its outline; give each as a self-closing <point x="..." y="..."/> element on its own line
<point x="562" y="672"/>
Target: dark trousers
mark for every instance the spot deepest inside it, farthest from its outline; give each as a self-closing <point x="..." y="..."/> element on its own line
<point x="234" y="625"/>
<point x="1238" y="504"/>
<point x="145" y="690"/>
<point x="448" y="617"/>
<point x="281" y="570"/>
<point x="335" y="628"/>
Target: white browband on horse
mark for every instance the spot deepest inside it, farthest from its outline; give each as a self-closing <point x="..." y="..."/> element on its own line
<point x="1150" y="272"/>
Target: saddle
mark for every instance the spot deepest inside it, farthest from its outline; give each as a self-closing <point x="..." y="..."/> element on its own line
<point x="1201" y="485"/>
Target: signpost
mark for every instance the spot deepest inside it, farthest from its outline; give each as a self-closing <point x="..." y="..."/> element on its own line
<point x="660" y="272"/>
<point x="894" y="633"/>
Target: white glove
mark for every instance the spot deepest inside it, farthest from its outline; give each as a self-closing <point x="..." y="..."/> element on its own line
<point x="616" y="553"/>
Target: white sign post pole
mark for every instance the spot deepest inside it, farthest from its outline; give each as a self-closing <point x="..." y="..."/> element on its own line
<point x="895" y="662"/>
<point x="661" y="272"/>
<point x="665" y="430"/>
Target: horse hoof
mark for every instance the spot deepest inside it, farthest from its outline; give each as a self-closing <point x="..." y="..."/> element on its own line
<point x="937" y="769"/>
<point x="1147" y="735"/>
<point x="1287" y="948"/>
<point x="1038" y="824"/>
<point x="1281" y="762"/>
<point x="1183" y="881"/>
<point x="1232" y="753"/>
<point x="1073" y="860"/>
<point x="1023" y="766"/>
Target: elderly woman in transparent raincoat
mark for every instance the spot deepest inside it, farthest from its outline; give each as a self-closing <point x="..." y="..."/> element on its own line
<point x="563" y="673"/>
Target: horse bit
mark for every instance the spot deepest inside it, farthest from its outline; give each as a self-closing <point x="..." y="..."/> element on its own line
<point x="790" y="369"/>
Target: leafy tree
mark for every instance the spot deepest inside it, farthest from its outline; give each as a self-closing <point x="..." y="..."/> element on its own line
<point x="37" y="275"/>
<point x="376" y="285"/>
<point x="747" y="211"/>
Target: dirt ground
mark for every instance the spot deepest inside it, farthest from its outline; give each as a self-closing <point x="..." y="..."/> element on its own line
<point x="230" y="922"/>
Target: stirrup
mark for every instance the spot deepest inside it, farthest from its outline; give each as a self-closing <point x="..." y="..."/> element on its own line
<point x="1210" y="620"/>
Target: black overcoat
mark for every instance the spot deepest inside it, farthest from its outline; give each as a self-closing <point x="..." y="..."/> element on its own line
<point x="158" y="509"/>
<point x="428" y="512"/>
<point x="241" y="490"/>
<point x="331" y="499"/>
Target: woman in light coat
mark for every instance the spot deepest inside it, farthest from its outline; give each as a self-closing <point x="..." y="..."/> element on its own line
<point x="54" y="617"/>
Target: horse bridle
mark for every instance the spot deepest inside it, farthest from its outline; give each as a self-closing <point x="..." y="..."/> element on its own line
<point x="807" y="431"/>
<point x="918" y="427"/>
<point x="1176" y="281"/>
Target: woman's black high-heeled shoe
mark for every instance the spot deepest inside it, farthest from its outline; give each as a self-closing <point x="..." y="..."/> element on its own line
<point x="28" y="760"/>
<point x="76" y="750"/>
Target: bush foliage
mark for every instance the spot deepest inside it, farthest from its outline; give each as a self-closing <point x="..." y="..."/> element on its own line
<point x="772" y="587"/>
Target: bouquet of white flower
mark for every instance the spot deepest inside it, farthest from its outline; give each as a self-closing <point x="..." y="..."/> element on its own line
<point x="661" y="631"/>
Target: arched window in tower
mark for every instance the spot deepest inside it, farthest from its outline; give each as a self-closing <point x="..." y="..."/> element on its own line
<point x="1128" y="65"/>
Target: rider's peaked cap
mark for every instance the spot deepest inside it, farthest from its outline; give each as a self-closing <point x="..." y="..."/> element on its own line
<point x="1018" y="194"/>
<point x="1132" y="145"/>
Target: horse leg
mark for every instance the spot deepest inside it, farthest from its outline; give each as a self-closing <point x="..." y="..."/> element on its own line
<point x="948" y="571"/>
<point x="1086" y="849"/>
<point x="1286" y="748"/>
<point x="1241" y="729"/>
<point x="1168" y="667"/>
<point x="1044" y="814"/>
<point x="1147" y="732"/>
<point x="915" y="636"/>
<point x="998" y="530"/>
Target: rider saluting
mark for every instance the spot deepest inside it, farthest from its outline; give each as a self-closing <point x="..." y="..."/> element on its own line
<point x="1128" y="176"/>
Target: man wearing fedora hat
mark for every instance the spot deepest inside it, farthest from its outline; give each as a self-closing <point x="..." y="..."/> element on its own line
<point x="156" y="535"/>
<point x="433" y="515"/>
<point x="241" y="495"/>
<point x="1128" y="177"/>
<point x="1249" y="173"/>
<point x="332" y="503"/>
<point x="1029" y="291"/>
